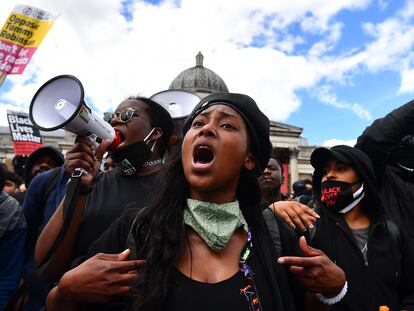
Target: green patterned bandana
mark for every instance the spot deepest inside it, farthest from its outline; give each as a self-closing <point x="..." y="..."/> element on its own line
<point x="214" y="223"/>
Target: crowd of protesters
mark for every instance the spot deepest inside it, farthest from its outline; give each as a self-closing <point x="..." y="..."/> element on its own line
<point x="200" y="222"/>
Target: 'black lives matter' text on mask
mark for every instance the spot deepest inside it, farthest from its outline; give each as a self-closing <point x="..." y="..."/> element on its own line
<point x="338" y="196"/>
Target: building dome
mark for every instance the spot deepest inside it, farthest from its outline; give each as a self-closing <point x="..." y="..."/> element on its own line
<point x="199" y="79"/>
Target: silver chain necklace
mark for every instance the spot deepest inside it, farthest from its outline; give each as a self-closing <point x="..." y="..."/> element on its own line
<point x="152" y="163"/>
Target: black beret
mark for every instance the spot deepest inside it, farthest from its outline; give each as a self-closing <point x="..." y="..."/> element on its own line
<point x="257" y="123"/>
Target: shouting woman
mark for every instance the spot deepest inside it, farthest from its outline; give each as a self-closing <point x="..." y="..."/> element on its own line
<point x="202" y="243"/>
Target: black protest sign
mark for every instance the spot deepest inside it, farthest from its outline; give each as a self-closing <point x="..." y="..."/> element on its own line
<point x="26" y="138"/>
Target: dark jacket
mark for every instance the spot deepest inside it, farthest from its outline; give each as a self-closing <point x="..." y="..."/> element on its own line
<point x="389" y="273"/>
<point x="380" y="142"/>
<point x="43" y="196"/>
<point x="387" y="279"/>
<point x="12" y="240"/>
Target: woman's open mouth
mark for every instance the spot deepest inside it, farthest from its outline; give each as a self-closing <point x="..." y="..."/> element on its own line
<point x="203" y="157"/>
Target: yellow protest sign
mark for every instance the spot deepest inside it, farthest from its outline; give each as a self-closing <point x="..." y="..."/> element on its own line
<point x="21" y="35"/>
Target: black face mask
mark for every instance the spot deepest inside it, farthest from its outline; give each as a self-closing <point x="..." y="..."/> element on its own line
<point x="338" y="196"/>
<point x="130" y="158"/>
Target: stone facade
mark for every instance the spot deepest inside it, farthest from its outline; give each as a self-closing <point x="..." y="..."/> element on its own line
<point x="292" y="150"/>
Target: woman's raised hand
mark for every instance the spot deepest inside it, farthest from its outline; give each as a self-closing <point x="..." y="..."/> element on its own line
<point x="295" y="214"/>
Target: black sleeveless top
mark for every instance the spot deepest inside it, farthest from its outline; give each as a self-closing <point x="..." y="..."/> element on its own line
<point x="186" y="294"/>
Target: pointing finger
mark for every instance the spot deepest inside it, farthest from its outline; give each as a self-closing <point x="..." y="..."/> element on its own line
<point x="307" y="250"/>
<point x="305" y="262"/>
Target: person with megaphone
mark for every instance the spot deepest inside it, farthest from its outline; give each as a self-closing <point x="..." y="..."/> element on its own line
<point x="144" y="128"/>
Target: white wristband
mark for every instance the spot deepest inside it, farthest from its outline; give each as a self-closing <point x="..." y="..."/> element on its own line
<point x="333" y="300"/>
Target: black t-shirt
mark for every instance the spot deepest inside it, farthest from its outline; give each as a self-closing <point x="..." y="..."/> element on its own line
<point x="112" y="192"/>
<point x="115" y="239"/>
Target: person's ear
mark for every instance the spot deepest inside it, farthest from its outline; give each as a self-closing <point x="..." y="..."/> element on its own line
<point x="249" y="162"/>
<point x="157" y="133"/>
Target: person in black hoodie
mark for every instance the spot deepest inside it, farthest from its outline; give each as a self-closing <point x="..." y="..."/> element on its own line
<point x="389" y="142"/>
<point x="375" y="254"/>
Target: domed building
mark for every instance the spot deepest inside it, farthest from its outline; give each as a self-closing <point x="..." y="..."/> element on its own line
<point x="199" y="79"/>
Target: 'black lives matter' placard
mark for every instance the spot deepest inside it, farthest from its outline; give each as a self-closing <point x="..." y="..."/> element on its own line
<point x="26" y="138"/>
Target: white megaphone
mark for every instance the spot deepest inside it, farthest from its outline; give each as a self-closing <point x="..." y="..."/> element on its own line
<point x="59" y="103"/>
<point x="179" y="103"/>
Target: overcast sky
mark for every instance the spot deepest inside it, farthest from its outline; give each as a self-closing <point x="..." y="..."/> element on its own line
<point x="329" y="66"/>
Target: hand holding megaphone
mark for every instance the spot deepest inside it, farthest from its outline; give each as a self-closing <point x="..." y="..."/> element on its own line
<point x="83" y="155"/>
<point x="59" y="103"/>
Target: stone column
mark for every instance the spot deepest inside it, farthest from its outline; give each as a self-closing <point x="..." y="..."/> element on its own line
<point x="293" y="165"/>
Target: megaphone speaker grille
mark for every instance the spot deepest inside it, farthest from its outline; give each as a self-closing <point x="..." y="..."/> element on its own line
<point x="56" y="102"/>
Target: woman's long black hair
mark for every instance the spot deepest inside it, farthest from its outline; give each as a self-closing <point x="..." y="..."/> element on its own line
<point x="162" y="236"/>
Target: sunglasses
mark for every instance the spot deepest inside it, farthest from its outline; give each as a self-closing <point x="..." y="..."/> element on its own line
<point x="124" y="116"/>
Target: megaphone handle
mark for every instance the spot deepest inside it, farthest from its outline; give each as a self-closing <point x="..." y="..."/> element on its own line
<point x="79" y="172"/>
<point x="95" y="141"/>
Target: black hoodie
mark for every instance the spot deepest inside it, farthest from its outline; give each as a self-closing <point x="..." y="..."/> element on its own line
<point x="387" y="279"/>
<point x="382" y="142"/>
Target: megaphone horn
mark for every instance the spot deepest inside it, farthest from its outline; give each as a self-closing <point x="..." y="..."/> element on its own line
<point x="179" y="103"/>
<point x="59" y="103"/>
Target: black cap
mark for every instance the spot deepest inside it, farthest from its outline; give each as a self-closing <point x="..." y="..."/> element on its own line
<point x="258" y="125"/>
<point x="321" y="156"/>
